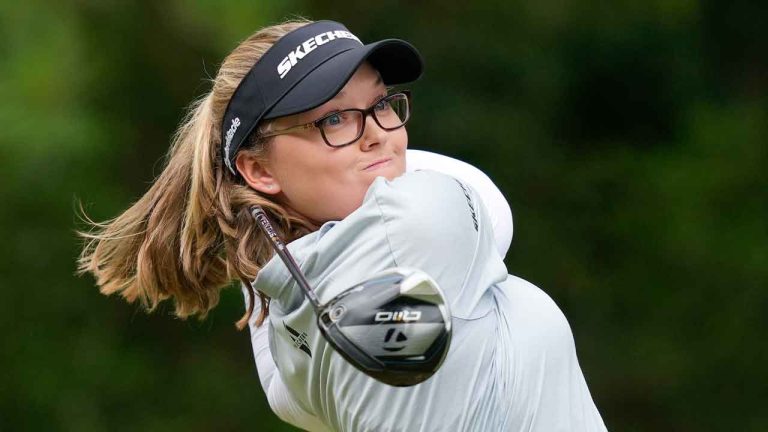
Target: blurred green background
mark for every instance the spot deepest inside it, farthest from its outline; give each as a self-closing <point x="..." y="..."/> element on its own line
<point x="630" y="138"/>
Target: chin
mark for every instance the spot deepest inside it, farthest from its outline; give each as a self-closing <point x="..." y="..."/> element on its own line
<point x="393" y="172"/>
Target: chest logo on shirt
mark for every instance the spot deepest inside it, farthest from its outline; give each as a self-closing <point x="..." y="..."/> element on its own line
<point x="299" y="339"/>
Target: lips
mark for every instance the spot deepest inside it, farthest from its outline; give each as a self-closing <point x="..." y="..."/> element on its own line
<point x="377" y="163"/>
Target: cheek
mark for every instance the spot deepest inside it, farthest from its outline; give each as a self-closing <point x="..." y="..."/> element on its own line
<point x="401" y="139"/>
<point x="399" y="145"/>
<point x="325" y="184"/>
<point x="318" y="183"/>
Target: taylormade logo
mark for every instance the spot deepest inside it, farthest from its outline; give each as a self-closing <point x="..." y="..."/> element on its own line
<point x="228" y="141"/>
<point x="308" y="46"/>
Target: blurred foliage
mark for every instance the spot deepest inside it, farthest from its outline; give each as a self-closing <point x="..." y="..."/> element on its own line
<point x="629" y="138"/>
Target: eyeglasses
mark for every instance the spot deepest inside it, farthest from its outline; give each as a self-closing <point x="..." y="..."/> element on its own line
<point x="342" y="128"/>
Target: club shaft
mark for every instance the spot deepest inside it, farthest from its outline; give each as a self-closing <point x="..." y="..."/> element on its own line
<point x="282" y="251"/>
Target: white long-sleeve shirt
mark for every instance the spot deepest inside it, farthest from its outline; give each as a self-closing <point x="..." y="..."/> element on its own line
<point x="500" y="215"/>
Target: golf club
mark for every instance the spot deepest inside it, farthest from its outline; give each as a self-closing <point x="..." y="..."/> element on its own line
<point x="394" y="326"/>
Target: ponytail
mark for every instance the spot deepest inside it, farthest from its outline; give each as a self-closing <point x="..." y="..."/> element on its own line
<point x="191" y="234"/>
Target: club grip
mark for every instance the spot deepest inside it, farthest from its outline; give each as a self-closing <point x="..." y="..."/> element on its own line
<point x="261" y="217"/>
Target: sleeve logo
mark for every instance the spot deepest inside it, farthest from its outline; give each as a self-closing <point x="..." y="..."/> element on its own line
<point x="471" y="205"/>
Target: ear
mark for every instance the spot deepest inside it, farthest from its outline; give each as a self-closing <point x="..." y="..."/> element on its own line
<point x="256" y="174"/>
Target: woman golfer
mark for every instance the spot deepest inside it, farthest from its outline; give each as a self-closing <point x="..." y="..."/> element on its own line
<point x="301" y="121"/>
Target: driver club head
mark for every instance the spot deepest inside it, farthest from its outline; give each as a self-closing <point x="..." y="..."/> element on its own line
<point x="394" y="326"/>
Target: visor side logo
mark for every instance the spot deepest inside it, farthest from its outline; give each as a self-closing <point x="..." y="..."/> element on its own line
<point x="228" y="141"/>
<point x="309" y="45"/>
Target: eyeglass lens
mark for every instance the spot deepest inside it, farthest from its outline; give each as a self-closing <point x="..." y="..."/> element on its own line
<point x="345" y="127"/>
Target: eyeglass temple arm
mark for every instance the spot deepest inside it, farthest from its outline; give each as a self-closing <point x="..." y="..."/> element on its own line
<point x="288" y="130"/>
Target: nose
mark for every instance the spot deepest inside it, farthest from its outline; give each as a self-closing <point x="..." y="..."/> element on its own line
<point x="373" y="135"/>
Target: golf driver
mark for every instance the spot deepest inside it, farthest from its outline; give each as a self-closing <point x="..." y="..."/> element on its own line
<point x="394" y="326"/>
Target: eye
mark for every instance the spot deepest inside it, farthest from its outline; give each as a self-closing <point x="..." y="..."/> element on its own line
<point x="333" y="120"/>
<point x="381" y="105"/>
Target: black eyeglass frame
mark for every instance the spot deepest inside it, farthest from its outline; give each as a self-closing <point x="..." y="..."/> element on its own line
<point x="317" y="124"/>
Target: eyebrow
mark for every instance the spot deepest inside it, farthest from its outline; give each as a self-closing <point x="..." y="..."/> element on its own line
<point x="375" y="83"/>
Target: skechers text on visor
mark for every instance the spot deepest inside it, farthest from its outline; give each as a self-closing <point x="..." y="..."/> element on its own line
<point x="303" y="70"/>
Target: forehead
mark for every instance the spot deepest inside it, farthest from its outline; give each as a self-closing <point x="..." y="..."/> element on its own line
<point x="362" y="89"/>
<point x="364" y="77"/>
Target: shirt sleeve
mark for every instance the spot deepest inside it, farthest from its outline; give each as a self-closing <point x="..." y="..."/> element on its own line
<point x="436" y="223"/>
<point x="498" y="208"/>
<point x="278" y="396"/>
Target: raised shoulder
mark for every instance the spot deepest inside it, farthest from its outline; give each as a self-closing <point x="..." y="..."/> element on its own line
<point x="439" y="225"/>
<point x="499" y="211"/>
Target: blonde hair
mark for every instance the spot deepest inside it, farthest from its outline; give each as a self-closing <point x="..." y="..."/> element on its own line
<point x="191" y="234"/>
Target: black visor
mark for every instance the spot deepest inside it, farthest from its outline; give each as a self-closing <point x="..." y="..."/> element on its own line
<point x="304" y="69"/>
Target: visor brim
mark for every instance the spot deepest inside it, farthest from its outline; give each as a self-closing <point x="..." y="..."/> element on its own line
<point x="397" y="61"/>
